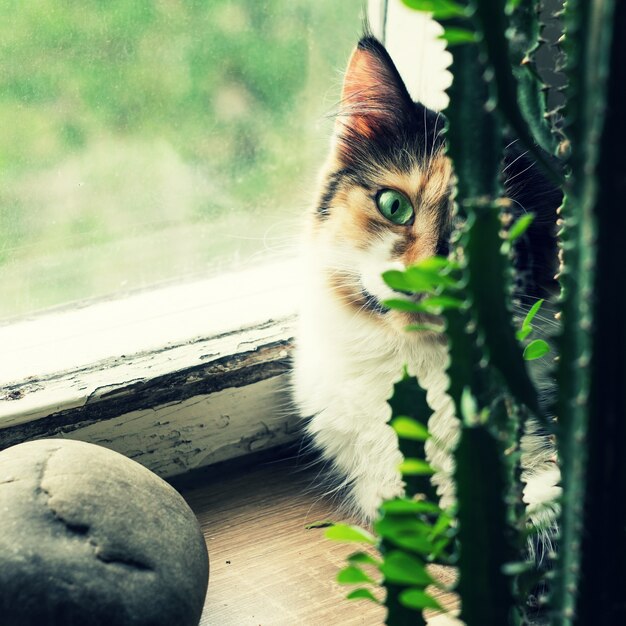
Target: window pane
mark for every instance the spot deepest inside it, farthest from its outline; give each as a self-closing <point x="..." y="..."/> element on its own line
<point x="154" y="140"/>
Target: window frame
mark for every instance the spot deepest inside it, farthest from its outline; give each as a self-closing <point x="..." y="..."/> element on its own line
<point x="212" y="386"/>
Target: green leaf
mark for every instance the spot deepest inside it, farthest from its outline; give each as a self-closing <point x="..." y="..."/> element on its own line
<point x="405" y="569"/>
<point x="410" y="507"/>
<point x="419" y="599"/>
<point x="442" y="302"/>
<point x="362" y="594"/>
<point x="536" y="349"/>
<point x="403" y="281"/>
<point x="531" y="314"/>
<point x="443" y="523"/>
<point x="408" y="428"/>
<point x="353" y="574"/>
<point x="441" y="9"/>
<point x="520" y="226"/>
<point x="345" y="532"/>
<point x="432" y="305"/>
<point x="415" y="467"/>
<point x="405" y="305"/>
<point x="433" y="272"/>
<point x="425" y="277"/>
<point x="437" y="263"/>
<point x="363" y="557"/>
<point x="433" y="328"/>
<point x="325" y="523"/>
<point x="457" y="36"/>
<point x="406" y="532"/>
<point x="518" y="567"/>
<point x="469" y="408"/>
<point x="527" y="327"/>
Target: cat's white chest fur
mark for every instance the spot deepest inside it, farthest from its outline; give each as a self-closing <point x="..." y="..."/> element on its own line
<point x="345" y="366"/>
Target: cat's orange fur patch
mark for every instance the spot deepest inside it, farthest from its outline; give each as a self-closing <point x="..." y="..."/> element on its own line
<point x="355" y="219"/>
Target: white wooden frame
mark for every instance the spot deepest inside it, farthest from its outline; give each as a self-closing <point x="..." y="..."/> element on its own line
<point x="177" y="378"/>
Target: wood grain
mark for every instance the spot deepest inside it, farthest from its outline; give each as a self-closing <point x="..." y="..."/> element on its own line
<point x="267" y="569"/>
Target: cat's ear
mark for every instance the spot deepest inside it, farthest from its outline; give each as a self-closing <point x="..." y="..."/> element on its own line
<point x="374" y="99"/>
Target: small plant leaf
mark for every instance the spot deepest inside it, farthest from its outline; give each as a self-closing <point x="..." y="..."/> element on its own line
<point x="442" y="524"/>
<point x="362" y="594"/>
<point x="520" y="226"/>
<point x="437" y="263"/>
<point x="442" y="302"/>
<point x="353" y="574"/>
<point x="345" y="532"/>
<point x="404" y="305"/>
<point x="401" y="281"/>
<point x="409" y="507"/>
<point x="433" y="273"/>
<point x="441" y="9"/>
<point x="404" y="569"/>
<point x="469" y="408"/>
<point x="531" y="314"/>
<point x="523" y="332"/>
<point x="325" y="523"/>
<point x="419" y="599"/>
<point x="408" y="428"/>
<point x="424" y="327"/>
<point x="405" y="532"/>
<point x="457" y="36"/>
<point x="536" y="349"/>
<point x="518" y="567"/>
<point x="363" y="557"/>
<point x="415" y="467"/>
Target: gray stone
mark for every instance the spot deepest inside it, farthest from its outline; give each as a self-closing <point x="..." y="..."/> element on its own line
<point x="89" y="537"/>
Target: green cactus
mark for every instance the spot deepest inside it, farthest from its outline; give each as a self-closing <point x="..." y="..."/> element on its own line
<point x="590" y="578"/>
<point x="491" y="389"/>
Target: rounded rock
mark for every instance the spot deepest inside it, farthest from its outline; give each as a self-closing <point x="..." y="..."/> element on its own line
<point x="89" y="537"/>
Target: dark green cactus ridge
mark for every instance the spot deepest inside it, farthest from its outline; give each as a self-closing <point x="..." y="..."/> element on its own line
<point x="588" y="36"/>
<point x="524" y="40"/>
<point x="493" y="43"/>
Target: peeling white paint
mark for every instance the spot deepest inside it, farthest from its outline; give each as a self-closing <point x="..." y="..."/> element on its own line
<point x="179" y="437"/>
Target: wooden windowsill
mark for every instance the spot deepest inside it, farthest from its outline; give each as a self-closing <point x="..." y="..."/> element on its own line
<point x="176" y="378"/>
<point x="267" y="569"/>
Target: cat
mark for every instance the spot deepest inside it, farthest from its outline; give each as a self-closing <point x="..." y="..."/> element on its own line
<point x="385" y="203"/>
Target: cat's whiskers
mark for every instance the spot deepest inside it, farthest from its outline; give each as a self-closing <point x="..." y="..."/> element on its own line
<point x="435" y="137"/>
<point x="521" y="206"/>
<point x="521" y="156"/>
<point x="520" y="173"/>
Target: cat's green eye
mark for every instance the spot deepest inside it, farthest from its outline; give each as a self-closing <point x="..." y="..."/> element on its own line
<point x="395" y="206"/>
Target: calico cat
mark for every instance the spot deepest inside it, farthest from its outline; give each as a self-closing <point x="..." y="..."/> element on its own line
<point x="385" y="204"/>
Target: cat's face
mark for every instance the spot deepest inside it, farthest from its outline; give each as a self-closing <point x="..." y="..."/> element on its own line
<point x="385" y="198"/>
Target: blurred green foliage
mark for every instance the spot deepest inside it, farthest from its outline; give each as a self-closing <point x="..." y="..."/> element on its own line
<point x="142" y="141"/>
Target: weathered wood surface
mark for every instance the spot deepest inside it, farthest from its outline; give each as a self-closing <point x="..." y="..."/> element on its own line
<point x="267" y="569"/>
<point x="173" y="410"/>
<point x="175" y="377"/>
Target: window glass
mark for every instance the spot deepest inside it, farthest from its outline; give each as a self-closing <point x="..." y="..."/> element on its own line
<point x="154" y="140"/>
